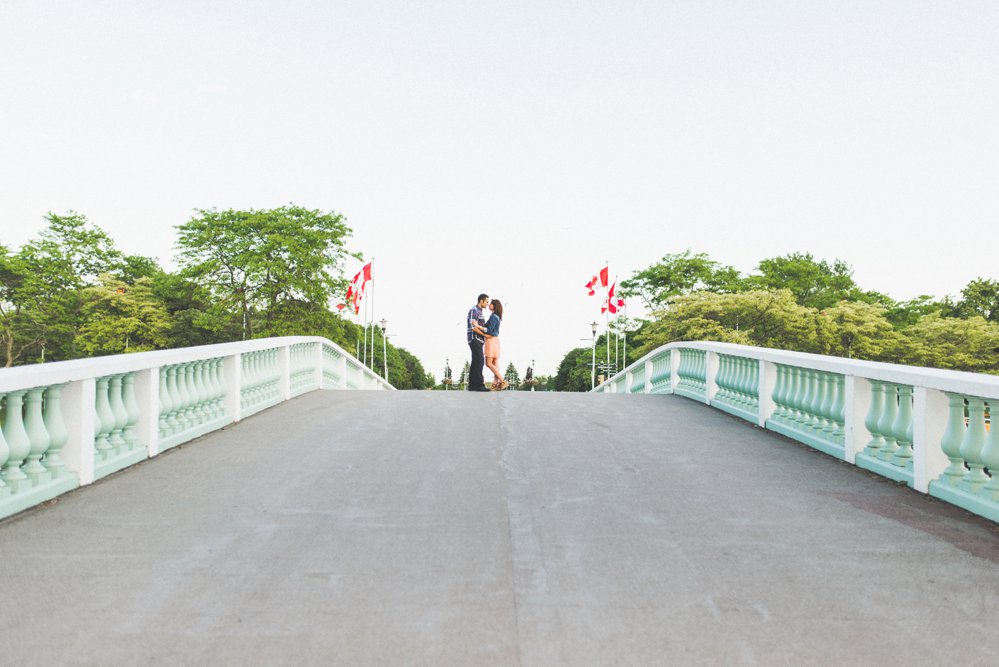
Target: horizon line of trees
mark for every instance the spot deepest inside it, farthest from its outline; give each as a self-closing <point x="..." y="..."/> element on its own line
<point x="70" y="292"/>
<point x="797" y="302"/>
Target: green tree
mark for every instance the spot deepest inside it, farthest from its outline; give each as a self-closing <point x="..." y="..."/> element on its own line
<point x="859" y="330"/>
<point x="678" y="274"/>
<point x="253" y="261"/>
<point x="119" y="317"/>
<point x="980" y="297"/>
<point x="573" y="372"/>
<point x="41" y="293"/>
<point x="511" y="375"/>
<point x="970" y="344"/>
<point x="762" y="318"/>
<point x="815" y="284"/>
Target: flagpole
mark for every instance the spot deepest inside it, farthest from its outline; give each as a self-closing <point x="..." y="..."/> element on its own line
<point x="372" y="264"/>
<point x="364" y="358"/>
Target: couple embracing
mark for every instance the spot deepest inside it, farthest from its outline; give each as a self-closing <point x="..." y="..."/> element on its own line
<point x="483" y="340"/>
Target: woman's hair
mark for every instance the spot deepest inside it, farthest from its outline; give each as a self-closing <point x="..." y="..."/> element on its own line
<point x="498" y="308"/>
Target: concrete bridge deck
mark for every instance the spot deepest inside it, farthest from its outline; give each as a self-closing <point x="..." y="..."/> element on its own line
<point x="369" y="528"/>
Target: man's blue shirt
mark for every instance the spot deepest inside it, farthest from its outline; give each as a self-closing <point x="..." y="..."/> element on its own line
<point x="475" y="316"/>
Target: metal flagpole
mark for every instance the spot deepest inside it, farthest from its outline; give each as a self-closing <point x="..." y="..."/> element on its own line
<point x="624" y="334"/>
<point x="364" y="359"/>
<point x="372" y="263"/>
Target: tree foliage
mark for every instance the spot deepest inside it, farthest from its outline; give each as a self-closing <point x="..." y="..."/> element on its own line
<point x="70" y="292"/>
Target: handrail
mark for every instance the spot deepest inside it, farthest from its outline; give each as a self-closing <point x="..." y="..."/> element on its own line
<point x="69" y="423"/>
<point x="926" y="427"/>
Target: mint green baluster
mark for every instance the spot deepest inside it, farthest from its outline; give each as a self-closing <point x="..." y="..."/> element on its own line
<point x="839" y="409"/>
<point x="166" y="404"/>
<point x="4" y="455"/>
<point x="816" y="423"/>
<point x="793" y="395"/>
<point x="214" y="392"/>
<point x="173" y="418"/>
<point x="132" y="412"/>
<point x="779" y="394"/>
<point x="951" y="441"/>
<point x="808" y="399"/>
<point x="105" y="418"/>
<point x="753" y="382"/>
<point x="889" y="413"/>
<point x="116" y="438"/>
<point x="741" y="371"/>
<point x="56" y="428"/>
<point x="873" y="420"/>
<point x="223" y="386"/>
<point x="702" y="371"/>
<point x="902" y="428"/>
<point x="201" y="389"/>
<point x="824" y="424"/>
<point x="804" y="398"/>
<point x="18" y="444"/>
<point x="184" y="412"/>
<point x="990" y="453"/>
<point x="191" y="384"/>
<point x="972" y="445"/>
<point x="34" y="426"/>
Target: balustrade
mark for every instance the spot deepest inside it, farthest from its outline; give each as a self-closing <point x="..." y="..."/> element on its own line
<point x="693" y="374"/>
<point x="889" y="421"/>
<point x="662" y="373"/>
<point x="140" y="404"/>
<point x="738" y="381"/>
<point x="32" y="435"/>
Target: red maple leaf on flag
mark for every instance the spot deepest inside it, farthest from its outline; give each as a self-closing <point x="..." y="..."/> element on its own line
<point x="599" y="280"/>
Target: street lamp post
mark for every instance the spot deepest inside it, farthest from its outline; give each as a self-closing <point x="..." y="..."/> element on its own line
<point x="593" y="363"/>
<point x="384" y="324"/>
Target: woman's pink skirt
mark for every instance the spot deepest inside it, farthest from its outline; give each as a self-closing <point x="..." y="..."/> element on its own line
<point x="492" y="348"/>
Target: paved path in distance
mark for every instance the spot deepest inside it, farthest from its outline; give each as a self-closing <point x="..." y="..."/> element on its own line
<point x="433" y="528"/>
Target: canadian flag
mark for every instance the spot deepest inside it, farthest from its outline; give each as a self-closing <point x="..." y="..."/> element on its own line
<point x="599" y="280"/>
<point x="613" y="302"/>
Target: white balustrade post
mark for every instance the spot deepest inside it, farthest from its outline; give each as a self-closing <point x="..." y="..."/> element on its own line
<point x="857" y="403"/>
<point x="147" y="395"/>
<point x="79" y="405"/>
<point x="767" y="383"/>
<point x="628" y="378"/>
<point x="711" y="376"/>
<point x="930" y="414"/>
<point x="284" y="372"/>
<point x="232" y="369"/>
<point x="648" y="377"/>
<point x="674" y="369"/>
<point x="343" y="371"/>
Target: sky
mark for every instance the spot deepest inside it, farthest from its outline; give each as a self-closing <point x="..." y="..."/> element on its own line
<point x="513" y="148"/>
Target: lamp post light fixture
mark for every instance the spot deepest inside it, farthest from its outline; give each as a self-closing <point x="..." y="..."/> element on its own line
<point x="384" y="324"/>
<point x="593" y="363"/>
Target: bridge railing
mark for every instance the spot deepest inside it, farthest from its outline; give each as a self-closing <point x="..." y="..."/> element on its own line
<point x="67" y="424"/>
<point x="928" y="428"/>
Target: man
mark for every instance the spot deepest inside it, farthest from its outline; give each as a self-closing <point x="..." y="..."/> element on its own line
<point x="476" y="324"/>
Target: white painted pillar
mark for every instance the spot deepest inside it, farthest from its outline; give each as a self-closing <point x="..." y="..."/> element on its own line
<point x="343" y="372"/>
<point x="858" y="403"/>
<point x="232" y="371"/>
<point x="711" y="376"/>
<point x="767" y="383"/>
<point x="628" y="378"/>
<point x="147" y="395"/>
<point x="79" y="412"/>
<point x="930" y="412"/>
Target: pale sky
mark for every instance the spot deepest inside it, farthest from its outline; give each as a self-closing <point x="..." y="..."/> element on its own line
<point x="512" y="147"/>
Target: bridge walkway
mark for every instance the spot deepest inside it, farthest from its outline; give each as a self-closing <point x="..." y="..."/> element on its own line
<point x="432" y="528"/>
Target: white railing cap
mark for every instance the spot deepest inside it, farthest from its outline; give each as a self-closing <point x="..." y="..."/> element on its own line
<point x="60" y="372"/>
<point x="959" y="382"/>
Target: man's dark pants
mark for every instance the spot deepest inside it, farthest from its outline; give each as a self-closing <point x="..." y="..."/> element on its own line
<point x="475" y="380"/>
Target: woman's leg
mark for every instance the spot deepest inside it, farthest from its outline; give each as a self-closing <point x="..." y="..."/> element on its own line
<point x="494" y="367"/>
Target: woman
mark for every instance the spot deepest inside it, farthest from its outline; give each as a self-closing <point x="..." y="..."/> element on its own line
<point x="492" y="348"/>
